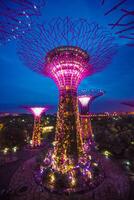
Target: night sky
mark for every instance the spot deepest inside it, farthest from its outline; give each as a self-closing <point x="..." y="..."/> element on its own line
<point x="21" y="86"/>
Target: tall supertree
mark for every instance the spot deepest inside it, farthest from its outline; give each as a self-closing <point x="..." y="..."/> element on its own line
<point x="36" y="136"/>
<point x="85" y="99"/>
<point x="16" y="17"/>
<point x="68" y="51"/>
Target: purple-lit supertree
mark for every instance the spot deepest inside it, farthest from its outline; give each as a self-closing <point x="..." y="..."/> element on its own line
<point x="36" y="136"/>
<point x="16" y="17"/>
<point x="68" y="51"/>
<point x="85" y="99"/>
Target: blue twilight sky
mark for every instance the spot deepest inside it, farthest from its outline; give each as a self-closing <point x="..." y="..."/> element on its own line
<point x="21" y="86"/>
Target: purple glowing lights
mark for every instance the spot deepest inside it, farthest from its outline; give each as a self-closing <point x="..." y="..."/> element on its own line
<point x="67" y="66"/>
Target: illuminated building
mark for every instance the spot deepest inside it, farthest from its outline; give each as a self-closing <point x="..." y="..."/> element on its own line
<point x="16" y="17"/>
<point x="36" y="136"/>
<point x="85" y="100"/>
<point x="68" y="55"/>
<point x="47" y="129"/>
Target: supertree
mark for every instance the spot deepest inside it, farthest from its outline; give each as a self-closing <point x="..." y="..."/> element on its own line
<point x="85" y="99"/>
<point x="36" y="136"/>
<point x="16" y="17"/>
<point x="68" y="51"/>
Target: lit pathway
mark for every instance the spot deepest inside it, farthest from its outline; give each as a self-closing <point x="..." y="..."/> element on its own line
<point x="114" y="187"/>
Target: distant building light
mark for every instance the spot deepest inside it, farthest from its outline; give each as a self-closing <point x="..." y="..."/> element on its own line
<point x="127" y="162"/>
<point x="107" y="154"/>
<point x="5" y="150"/>
<point x="47" y="129"/>
<point x="95" y="164"/>
<point x="14" y="149"/>
<point x="30" y="142"/>
<point x="1" y="126"/>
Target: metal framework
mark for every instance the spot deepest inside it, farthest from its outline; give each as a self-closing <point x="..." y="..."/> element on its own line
<point x="91" y="37"/>
<point x="124" y="25"/>
<point x="16" y="17"/>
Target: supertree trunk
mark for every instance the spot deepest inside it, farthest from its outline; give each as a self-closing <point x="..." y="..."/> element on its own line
<point x="36" y="137"/>
<point x="87" y="133"/>
<point x="85" y="100"/>
<point x="68" y="137"/>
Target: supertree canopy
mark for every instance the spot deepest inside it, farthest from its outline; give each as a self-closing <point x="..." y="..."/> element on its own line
<point x="122" y="26"/>
<point x="85" y="99"/>
<point x="36" y="137"/>
<point x="68" y="51"/>
<point x="92" y="38"/>
<point x="16" y="17"/>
